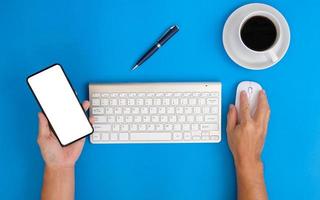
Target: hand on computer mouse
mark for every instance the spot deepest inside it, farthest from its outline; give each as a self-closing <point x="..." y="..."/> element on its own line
<point x="52" y="152"/>
<point x="246" y="136"/>
<point x="246" y="139"/>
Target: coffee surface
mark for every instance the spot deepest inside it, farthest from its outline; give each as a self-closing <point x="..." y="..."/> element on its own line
<point x="258" y="33"/>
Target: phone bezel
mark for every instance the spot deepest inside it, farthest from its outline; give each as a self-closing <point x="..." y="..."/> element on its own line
<point x="51" y="127"/>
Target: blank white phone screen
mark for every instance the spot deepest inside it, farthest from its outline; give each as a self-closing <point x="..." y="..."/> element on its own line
<point x="58" y="101"/>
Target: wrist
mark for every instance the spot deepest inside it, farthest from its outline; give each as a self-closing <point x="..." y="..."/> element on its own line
<point x="249" y="167"/>
<point x="55" y="168"/>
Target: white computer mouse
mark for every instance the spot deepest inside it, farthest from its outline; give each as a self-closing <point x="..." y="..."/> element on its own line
<point x="252" y="89"/>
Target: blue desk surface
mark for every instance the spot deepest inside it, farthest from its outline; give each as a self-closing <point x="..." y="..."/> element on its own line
<point x="98" y="41"/>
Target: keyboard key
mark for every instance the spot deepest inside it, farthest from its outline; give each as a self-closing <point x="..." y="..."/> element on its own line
<point x="109" y="111"/>
<point x="96" y="136"/>
<point x="140" y="102"/>
<point x="123" y="136"/>
<point x="188" y="110"/>
<point x="179" y="110"/>
<point x="166" y="102"/>
<point x="181" y="118"/>
<point x="142" y="127"/>
<point x="131" y="102"/>
<point x="187" y="136"/>
<point x="199" y="118"/>
<point x="197" y="110"/>
<point x="214" y="110"/>
<point x="116" y="127"/>
<point x="162" y="110"/>
<point x="146" y="119"/>
<point x="104" y="102"/>
<point x="164" y="118"/>
<point x="159" y="127"/>
<point x="212" y="101"/>
<point x="175" y="102"/>
<point x="150" y="127"/>
<point x="128" y="119"/>
<point x="135" y="110"/>
<point x="104" y="95"/>
<point x="101" y="127"/>
<point x="95" y="102"/>
<point x="104" y="136"/>
<point x="186" y="127"/>
<point x="170" y="110"/>
<point x="124" y="127"/>
<point x="111" y="119"/>
<point x="100" y="119"/>
<point x="133" y="127"/>
<point x="172" y="118"/>
<point x="157" y="102"/>
<point x="211" y="118"/>
<point x="168" y="127"/>
<point x="215" y="137"/>
<point x="122" y="102"/>
<point x="113" y="102"/>
<point x="118" y="111"/>
<point x="155" y="118"/>
<point x="193" y="101"/>
<point x="150" y="136"/>
<point x="153" y="110"/>
<point x="120" y="119"/>
<point x="177" y="136"/>
<point x="144" y="110"/>
<point x="114" y="136"/>
<point x="190" y="118"/>
<point x="148" y="102"/>
<point x="137" y="119"/>
<point x="202" y="101"/>
<point x="95" y="95"/>
<point x="195" y="127"/>
<point x="177" y="127"/>
<point x="97" y="110"/>
<point x="184" y="101"/>
<point x="196" y="133"/>
<point x="205" y="138"/>
<point x="126" y="110"/>
<point x="207" y="127"/>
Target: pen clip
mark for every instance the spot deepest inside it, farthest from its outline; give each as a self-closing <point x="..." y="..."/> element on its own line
<point x="167" y="31"/>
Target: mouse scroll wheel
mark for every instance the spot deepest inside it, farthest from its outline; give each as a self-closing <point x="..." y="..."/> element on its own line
<point x="250" y="89"/>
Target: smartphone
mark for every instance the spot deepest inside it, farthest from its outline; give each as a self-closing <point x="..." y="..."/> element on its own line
<point x="60" y="104"/>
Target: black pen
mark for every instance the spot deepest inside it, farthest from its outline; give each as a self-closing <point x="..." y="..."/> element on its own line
<point x="172" y="30"/>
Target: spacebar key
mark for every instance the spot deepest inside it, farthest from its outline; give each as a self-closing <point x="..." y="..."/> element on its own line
<point x="150" y="136"/>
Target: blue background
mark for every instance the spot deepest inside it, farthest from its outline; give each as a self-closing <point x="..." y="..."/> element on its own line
<point x="98" y="41"/>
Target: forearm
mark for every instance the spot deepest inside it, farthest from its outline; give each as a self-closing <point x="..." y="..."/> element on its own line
<point x="58" y="183"/>
<point x="250" y="180"/>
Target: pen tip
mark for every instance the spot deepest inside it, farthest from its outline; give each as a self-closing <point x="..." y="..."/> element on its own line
<point x="133" y="68"/>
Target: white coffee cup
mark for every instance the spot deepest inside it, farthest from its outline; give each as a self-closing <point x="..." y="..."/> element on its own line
<point x="271" y="51"/>
<point x="245" y="56"/>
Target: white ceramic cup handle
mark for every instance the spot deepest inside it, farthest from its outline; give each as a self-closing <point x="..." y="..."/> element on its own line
<point x="274" y="57"/>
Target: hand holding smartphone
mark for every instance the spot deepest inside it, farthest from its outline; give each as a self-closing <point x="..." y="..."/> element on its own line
<point x="60" y="104"/>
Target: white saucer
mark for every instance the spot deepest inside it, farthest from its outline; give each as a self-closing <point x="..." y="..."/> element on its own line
<point x="241" y="54"/>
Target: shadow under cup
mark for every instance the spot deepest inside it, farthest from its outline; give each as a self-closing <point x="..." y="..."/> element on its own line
<point x="258" y="33"/>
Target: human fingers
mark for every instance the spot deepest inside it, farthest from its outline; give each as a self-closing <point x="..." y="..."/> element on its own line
<point x="86" y="105"/>
<point x="91" y="120"/>
<point x="262" y="112"/>
<point x="244" y="107"/>
<point x="43" y="125"/>
<point x="231" y="118"/>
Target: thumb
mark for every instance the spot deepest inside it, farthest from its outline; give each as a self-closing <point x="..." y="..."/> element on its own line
<point x="232" y="118"/>
<point x="43" y="125"/>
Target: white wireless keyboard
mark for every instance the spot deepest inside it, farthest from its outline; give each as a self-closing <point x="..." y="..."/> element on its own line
<point x="156" y="113"/>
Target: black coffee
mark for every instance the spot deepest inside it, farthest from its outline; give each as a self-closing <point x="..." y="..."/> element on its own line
<point x="258" y="33"/>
